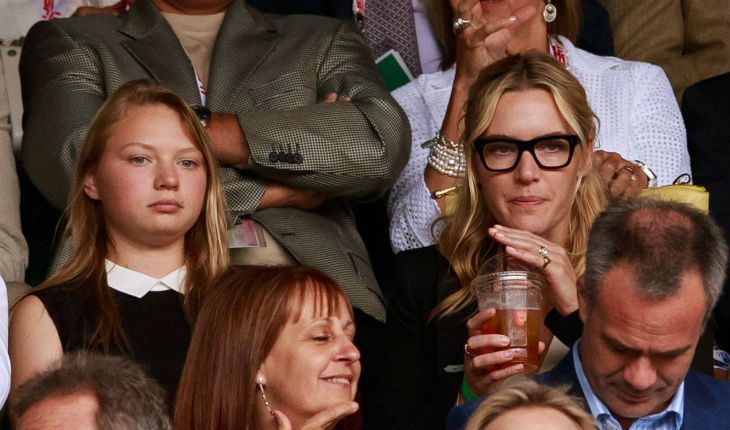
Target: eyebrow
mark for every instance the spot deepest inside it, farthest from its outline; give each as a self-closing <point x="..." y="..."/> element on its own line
<point x="149" y="147"/>
<point x="504" y="136"/>
<point x="617" y="344"/>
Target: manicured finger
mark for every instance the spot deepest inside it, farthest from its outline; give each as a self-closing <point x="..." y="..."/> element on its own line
<point x="282" y="422"/>
<point x="487" y="361"/>
<point x="484" y="341"/>
<point x="330" y="416"/>
<point x="501" y="374"/>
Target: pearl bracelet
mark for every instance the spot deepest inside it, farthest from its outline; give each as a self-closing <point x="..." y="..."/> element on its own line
<point x="446" y="156"/>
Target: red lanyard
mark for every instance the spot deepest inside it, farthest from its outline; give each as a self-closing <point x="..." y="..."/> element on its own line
<point x="557" y="51"/>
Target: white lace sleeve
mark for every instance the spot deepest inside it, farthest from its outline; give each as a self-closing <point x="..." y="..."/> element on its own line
<point x="659" y="136"/>
<point x="410" y="207"/>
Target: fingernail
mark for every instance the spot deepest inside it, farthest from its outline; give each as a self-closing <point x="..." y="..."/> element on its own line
<point x="507" y="354"/>
<point x="512" y="18"/>
<point x="354" y="406"/>
<point x="518" y="368"/>
<point x="504" y="341"/>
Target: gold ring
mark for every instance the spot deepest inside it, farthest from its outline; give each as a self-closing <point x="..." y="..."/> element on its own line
<point x="543" y="251"/>
<point x="545" y="261"/>
<point x="632" y="178"/>
<point x="468" y="352"/>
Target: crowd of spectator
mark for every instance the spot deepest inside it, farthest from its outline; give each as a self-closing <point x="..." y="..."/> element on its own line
<point x="271" y="214"/>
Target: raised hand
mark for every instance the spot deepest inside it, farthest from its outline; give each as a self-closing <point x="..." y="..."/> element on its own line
<point x="485" y="370"/>
<point x="623" y="178"/>
<point x="548" y="257"/>
<point x="324" y="420"/>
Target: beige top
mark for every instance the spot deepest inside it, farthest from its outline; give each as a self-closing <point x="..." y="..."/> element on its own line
<point x="197" y="34"/>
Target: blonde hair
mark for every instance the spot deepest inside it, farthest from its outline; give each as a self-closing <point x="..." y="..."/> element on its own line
<point x="206" y="243"/>
<point x="464" y="240"/>
<point x="441" y="18"/>
<point x="522" y="393"/>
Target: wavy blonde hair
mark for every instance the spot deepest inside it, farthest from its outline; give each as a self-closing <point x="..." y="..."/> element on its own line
<point x="464" y="240"/>
<point x="206" y="243"/>
<point x="525" y="393"/>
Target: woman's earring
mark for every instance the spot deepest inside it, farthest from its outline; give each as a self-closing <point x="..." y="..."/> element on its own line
<point x="550" y="12"/>
<point x="260" y="383"/>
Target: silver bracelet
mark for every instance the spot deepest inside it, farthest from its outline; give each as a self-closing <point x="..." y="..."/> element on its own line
<point x="447" y="156"/>
<point x="650" y="175"/>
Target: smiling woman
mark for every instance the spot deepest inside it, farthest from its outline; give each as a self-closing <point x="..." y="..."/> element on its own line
<point x="271" y="342"/>
<point x="147" y="219"/>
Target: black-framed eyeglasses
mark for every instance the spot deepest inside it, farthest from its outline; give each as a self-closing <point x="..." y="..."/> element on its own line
<point x="500" y="154"/>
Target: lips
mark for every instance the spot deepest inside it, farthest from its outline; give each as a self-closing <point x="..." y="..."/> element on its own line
<point x="166" y="205"/>
<point x="343" y="380"/>
<point x="527" y="200"/>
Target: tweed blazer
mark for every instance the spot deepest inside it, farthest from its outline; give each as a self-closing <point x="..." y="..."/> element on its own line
<point x="273" y="73"/>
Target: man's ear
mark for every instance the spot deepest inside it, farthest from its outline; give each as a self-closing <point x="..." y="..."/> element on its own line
<point x="90" y="185"/>
<point x="582" y="305"/>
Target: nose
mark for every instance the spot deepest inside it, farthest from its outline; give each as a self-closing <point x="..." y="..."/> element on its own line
<point x="527" y="169"/>
<point x="640" y="373"/>
<point x="347" y="351"/>
<point x="166" y="176"/>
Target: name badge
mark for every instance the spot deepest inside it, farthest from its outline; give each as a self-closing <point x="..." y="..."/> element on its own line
<point x="246" y="234"/>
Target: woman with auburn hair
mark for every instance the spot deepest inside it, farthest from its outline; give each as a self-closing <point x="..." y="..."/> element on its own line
<point x="531" y="191"/>
<point x="641" y="141"/>
<point x="272" y="349"/>
<point x="148" y="225"/>
<point x="525" y="404"/>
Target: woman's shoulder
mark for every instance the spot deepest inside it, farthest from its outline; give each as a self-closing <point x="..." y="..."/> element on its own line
<point x="585" y="62"/>
<point x="425" y="84"/>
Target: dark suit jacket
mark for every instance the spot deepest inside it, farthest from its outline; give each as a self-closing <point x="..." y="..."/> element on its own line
<point x="272" y="72"/>
<point x="706" y="400"/>
<point x="706" y="112"/>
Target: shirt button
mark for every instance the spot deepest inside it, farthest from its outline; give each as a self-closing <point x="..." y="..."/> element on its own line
<point x="298" y="159"/>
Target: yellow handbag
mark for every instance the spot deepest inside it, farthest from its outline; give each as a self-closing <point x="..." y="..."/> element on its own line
<point x="681" y="190"/>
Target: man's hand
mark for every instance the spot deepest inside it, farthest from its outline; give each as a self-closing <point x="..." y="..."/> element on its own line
<point x="623" y="178"/>
<point x="282" y="196"/>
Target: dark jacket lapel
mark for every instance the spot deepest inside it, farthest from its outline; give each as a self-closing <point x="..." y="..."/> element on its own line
<point x="155" y="46"/>
<point x="245" y="39"/>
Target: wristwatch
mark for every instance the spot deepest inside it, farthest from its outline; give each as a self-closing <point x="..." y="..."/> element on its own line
<point x="648" y="172"/>
<point x="204" y="114"/>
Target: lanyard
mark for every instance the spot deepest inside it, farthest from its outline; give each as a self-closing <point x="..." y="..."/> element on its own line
<point x="557" y="51"/>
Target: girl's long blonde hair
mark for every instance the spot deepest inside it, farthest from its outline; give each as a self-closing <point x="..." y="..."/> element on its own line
<point x="464" y="240"/>
<point x="206" y="243"/>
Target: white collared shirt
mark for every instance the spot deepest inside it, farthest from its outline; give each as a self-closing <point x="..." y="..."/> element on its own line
<point x="669" y="419"/>
<point x="138" y="284"/>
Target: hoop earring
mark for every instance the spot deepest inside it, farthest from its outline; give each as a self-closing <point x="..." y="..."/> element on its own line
<point x="550" y="12"/>
<point x="260" y="383"/>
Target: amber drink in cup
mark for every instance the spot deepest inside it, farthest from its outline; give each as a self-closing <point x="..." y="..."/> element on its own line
<point x="515" y="294"/>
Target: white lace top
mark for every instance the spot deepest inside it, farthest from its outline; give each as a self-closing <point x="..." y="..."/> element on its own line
<point x="638" y="114"/>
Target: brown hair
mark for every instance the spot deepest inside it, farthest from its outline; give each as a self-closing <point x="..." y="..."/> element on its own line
<point x="524" y="393"/>
<point x="464" y="240"/>
<point x="235" y="332"/>
<point x="441" y="17"/>
<point x="206" y="243"/>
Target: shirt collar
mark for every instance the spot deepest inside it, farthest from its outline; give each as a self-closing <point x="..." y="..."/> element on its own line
<point x="138" y="284"/>
<point x="669" y="418"/>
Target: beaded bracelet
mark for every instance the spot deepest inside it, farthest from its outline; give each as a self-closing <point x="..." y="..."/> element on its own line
<point x="446" y="156"/>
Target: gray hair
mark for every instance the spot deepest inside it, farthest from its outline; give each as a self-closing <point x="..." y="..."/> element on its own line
<point x="660" y="240"/>
<point x="127" y="399"/>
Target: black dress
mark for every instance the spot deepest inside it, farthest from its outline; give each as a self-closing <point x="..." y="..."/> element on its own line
<point x="157" y="330"/>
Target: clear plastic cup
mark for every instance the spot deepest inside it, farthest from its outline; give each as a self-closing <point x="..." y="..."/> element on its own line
<point x="514" y="290"/>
